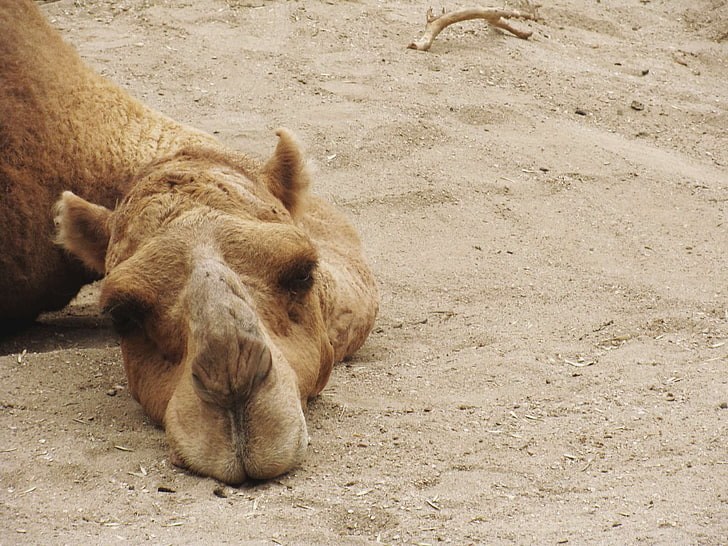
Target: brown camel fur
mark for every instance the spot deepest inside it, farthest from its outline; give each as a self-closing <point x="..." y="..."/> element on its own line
<point x="62" y="127"/>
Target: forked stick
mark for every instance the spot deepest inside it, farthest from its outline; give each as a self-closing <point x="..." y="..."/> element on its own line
<point x="495" y="16"/>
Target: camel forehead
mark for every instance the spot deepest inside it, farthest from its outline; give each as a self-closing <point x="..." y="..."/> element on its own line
<point x="201" y="177"/>
<point x="177" y="192"/>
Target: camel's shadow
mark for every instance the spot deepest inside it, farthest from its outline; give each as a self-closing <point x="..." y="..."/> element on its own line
<point x="80" y="325"/>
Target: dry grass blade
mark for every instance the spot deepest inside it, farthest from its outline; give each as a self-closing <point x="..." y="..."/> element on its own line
<point x="141" y="474"/>
<point x="579" y="364"/>
<point x="253" y="510"/>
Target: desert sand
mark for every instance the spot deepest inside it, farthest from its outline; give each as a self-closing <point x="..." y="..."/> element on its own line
<point x="546" y="219"/>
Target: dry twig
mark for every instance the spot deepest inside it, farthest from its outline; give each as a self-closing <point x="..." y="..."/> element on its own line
<point x="495" y="16"/>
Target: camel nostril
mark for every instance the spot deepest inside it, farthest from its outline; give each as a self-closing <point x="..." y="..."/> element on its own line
<point x="197" y="383"/>
<point x="265" y="362"/>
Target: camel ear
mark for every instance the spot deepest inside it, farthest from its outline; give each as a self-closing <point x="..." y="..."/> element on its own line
<point x="82" y="229"/>
<point x="286" y="173"/>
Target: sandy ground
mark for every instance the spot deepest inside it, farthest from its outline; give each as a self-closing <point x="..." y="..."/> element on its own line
<point x="547" y="222"/>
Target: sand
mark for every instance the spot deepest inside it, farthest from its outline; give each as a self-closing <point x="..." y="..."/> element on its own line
<point x="546" y="219"/>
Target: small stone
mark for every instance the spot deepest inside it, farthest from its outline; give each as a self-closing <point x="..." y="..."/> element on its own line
<point x="637" y="105"/>
<point x="111" y="392"/>
<point x="221" y="492"/>
<point x="723" y="405"/>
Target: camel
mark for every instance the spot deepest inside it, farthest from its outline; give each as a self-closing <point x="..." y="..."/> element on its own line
<point x="234" y="290"/>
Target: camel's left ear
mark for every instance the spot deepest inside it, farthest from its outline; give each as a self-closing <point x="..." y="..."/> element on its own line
<point x="82" y="229"/>
<point x="286" y="173"/>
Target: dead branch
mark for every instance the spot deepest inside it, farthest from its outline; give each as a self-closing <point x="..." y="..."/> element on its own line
<point x="494" y="16"/>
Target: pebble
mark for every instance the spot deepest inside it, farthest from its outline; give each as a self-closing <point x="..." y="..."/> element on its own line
<point x="221" y="492"/>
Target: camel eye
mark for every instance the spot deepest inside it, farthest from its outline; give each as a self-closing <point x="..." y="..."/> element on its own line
<point x="127" y="317"/>
<point x="299" y="279"/>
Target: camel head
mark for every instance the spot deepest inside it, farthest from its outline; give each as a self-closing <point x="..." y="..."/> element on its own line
<point x="216" y="292"/>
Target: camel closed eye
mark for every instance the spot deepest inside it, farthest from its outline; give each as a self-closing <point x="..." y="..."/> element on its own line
<point x="298" y="280"/>
<point x="127" y="317"/>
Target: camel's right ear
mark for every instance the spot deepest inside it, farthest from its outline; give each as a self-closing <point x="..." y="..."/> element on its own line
<point x="286" y="173"/>
<point x="82" y="229"/>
